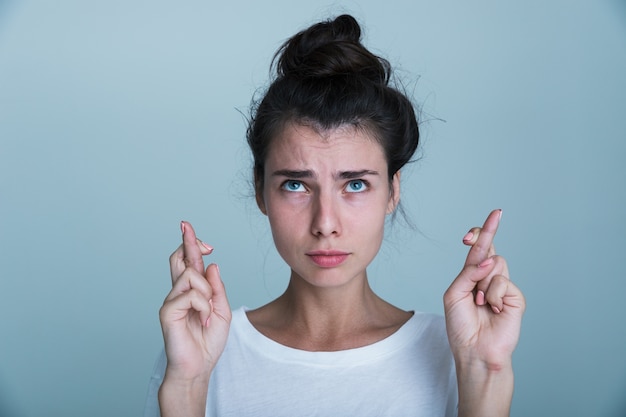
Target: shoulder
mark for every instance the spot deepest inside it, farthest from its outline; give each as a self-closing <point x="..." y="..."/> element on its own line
<point x="240" y="322"/>
<point x="428" y="328"/>
<point x="429" y="321"/>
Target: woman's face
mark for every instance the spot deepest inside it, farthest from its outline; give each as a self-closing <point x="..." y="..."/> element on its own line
<point x="326" y="196"/>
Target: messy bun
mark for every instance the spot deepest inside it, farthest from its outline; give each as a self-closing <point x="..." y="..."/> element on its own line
<point x="325" y="78"/>
<point x="328" y="49"/>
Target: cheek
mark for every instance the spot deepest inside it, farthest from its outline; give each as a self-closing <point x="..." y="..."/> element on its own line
<point x="371" y="223"/>
<point x="372" y="210"/>
<point x="284" y="223"/>
<point x="287" y="236"/>
<point x="373" y="229"/>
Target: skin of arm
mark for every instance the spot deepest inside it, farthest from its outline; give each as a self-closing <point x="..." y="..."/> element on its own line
<point x="183" y="397"/>
<point x="483" y="391"/>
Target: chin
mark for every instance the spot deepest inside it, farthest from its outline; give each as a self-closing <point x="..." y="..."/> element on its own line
<point x="326" y="277"/>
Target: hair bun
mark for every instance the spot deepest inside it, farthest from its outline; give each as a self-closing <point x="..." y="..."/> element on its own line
<point x="330" y="48"/>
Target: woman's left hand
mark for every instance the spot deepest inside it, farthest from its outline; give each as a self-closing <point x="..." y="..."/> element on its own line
<point x="483" y="307"/>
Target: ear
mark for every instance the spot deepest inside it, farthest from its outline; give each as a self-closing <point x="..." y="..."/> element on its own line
<point x="258" y="194"/>
<point x="394" y="193"/>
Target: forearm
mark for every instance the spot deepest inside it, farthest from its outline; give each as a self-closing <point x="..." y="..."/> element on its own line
<point x="484" y="391"/>
<point x="183" y="398"/>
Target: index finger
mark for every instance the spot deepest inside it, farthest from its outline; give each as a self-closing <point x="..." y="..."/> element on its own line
<point x="192" y="254"/>
<point x="480" y="250"/>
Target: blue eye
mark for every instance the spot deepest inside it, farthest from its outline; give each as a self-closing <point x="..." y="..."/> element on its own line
<point x="356" y="186"/>
<point x="293" y="186"/>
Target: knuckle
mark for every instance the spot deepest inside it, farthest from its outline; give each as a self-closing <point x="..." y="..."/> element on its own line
<point x="498" y="280"/>
<point x="176" y="255"/>
<point x="201" y="291"/>
<point x="182" y="277"/>
<point x="500" y="261"/>
<point x="163" y="312"/>
<point x="480" y="246"/>
<point x="194" y="294"/>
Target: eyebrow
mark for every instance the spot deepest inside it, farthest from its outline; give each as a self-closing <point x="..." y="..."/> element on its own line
<point x="290" y="173"/>
<point x="349" y="175"/>
<point x="299" y="174"/>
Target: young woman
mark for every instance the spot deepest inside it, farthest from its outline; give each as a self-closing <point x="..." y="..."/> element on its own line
<point x="329" y="139"/>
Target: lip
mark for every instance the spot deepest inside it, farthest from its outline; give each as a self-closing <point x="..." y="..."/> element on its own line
<point x="328" y="258"/>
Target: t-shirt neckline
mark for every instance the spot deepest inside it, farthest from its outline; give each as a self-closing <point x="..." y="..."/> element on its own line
<point x="265" y="346"/>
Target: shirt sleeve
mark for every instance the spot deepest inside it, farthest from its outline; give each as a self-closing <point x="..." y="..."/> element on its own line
<point x="452" y="407"/>
<point x="151" y="408"/>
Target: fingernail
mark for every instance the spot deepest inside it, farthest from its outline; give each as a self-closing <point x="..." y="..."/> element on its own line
<point x="485" y="263"/>
<point x="500" y="215"/>
<point x="480" y="298"/>
<point x="495" y="309"/>
<point x="468" y="236"/>
<point x="182" y="227"/>
<point x="209" y="248"/>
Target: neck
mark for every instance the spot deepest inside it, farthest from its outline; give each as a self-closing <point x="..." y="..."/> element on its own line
<point x="328" y="318"/>
<point x="333" y="309"/>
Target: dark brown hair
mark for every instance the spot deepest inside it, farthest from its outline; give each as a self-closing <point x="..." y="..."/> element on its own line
<point x="325" y="78"/>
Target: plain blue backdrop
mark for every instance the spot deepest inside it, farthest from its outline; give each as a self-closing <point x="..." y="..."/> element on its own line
<point x="119" y="118"/>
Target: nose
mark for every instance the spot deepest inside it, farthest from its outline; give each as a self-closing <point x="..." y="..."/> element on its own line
<point x="325" y="217"/>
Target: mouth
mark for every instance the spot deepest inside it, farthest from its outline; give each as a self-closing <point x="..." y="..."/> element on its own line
<point x="327" y="259"/>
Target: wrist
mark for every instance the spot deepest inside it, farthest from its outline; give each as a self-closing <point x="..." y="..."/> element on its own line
<point x="468" y="364"/>
<point x="469" y="360"/>
<point x="485" y="388"/>
<point x="183" y="396"/>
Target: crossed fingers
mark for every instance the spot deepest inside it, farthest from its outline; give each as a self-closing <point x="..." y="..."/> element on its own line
<point x="481" y="239"/>
<point x="492" y="288"/>
<point x="189" y="253"/>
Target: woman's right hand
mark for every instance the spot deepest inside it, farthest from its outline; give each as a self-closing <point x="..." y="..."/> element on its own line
<point x="195" y="316"/>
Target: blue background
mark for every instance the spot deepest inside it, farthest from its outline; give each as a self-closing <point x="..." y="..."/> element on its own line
<point x="120" y="118"/>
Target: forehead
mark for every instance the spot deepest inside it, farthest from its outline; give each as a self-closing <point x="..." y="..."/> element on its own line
<point x="348" y="146"/>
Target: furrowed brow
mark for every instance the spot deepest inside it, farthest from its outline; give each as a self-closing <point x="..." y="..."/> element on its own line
<point x="290" y="173"/>
<point x="350" y="175"/>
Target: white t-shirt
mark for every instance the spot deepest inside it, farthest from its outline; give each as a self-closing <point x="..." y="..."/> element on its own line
<point x="410" y="373"/>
